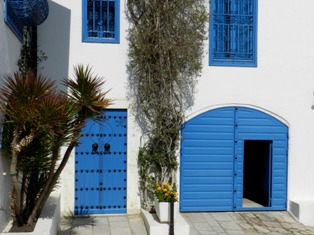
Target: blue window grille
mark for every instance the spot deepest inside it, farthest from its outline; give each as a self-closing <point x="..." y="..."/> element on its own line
<point x="233" y="33"/>
<point x="101" y="21"/>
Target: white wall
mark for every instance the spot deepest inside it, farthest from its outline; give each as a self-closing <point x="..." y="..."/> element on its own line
<point x="282" y="84"/>
<point x="9" y="51"/>
<point x="5" y="184"/>
<point x="9" y="47"/>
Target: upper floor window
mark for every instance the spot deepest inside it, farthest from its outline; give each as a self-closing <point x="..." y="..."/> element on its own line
<point x="101" y="21"/>
<point x="233" y="33"/>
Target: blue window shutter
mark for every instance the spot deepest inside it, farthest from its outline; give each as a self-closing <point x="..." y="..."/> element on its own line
<point x="233" y="29"/>
<point x="101" y="21"/>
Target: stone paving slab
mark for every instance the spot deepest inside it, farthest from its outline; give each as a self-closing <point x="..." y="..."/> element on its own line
<point x="228" y="223"/>
<point x="251" y="223"/>
<point x="103" y="225"/>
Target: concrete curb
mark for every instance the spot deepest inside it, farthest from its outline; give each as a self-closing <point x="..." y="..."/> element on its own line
<point x="49" y="220"/>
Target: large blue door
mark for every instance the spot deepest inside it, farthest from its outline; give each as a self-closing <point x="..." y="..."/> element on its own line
<point x="215" y="147"/>
<point x="100" y="165"/>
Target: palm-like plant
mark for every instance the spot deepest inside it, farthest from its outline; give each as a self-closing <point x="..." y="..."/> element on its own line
<point x="39" y="120"/>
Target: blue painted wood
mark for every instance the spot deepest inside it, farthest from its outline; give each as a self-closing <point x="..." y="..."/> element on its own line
<point x="207" y="162"/>
<point x="101" y="21"/>
<point x="233" y="33"/>
<point x="100" y="174"/>
<point x="212" y="149"/>
<point x="256" y="125"/>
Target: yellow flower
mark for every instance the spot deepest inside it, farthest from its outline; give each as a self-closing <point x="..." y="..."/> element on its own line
<point x="165" y="190"/>
<point x="166" y="194"/>
<point x="159" y="188"/>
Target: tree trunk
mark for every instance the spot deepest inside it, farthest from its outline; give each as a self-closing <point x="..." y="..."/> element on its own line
<point x="15" y="183"/>
<point x="54" y="159"/>
<point x="24" y="177"/>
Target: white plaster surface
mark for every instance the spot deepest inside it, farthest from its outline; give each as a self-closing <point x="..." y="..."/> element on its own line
<point x="9" y="53"/>
<point x="9" y="47"/>
<point x="154" y="227"/>
<point x="5" y="184"/>
<point x="49" y="221"/>
<point x="303" y="211"/>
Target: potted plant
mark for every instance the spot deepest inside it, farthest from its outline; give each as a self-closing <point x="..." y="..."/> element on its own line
<point x="162" y="197"/>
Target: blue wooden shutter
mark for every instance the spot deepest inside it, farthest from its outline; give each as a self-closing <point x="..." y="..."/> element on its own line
<point x="207" y="170"/>
<point x="233" y="32"/>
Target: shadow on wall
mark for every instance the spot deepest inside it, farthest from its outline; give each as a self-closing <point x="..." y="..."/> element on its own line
<point x="54" y="41"/>
<point x="9" y="51"/>
<point x="9" y="47"/>
<point x="5" y="184"/>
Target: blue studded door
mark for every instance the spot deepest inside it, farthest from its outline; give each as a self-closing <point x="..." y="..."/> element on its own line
<point x="101" y="165"/>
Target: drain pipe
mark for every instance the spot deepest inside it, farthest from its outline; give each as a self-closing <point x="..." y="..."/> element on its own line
<point x="171" y="225"/>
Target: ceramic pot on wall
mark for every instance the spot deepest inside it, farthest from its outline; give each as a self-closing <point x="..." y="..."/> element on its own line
<point x="163" y="210"/>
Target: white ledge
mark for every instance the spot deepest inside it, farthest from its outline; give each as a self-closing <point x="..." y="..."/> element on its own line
<point x="154" y="227"/>
<point x="303" y="210"/>
<point x="49" y="221"/>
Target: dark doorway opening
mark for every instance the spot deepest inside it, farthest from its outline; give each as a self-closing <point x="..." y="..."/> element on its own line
<point x="257" y="173"/>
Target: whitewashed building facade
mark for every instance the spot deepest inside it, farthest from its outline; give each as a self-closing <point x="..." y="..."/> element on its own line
<point x="247" y="143"/>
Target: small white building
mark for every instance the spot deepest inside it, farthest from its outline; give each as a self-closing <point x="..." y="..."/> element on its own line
<point x="247" y="143"/>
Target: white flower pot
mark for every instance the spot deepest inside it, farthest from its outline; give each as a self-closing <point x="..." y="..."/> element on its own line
<point x="163" y="210"/>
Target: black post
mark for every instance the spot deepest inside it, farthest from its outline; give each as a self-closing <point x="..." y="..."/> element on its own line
<point x="171" y="225"/>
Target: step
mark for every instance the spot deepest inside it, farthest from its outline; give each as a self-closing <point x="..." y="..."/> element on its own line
<point x="154" y="227"/>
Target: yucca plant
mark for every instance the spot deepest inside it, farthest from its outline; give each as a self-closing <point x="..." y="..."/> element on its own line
<point x="38" y="121"/>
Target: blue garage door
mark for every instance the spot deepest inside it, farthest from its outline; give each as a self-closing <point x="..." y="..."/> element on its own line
<point x="100" y="165"/>
<point x="233" y="159"/>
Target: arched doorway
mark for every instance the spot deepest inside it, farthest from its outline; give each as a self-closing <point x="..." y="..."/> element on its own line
<point x="233" y="159"/>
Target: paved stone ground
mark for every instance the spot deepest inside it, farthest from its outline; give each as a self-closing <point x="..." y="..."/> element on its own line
<point x="103" y="225"/>
<point x="251" y="223"/>
<point x="228" y="223"/>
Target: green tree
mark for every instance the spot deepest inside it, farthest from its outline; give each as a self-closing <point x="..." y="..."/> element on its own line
<point x="39" y="120"/>
<point x="166" y="41"/>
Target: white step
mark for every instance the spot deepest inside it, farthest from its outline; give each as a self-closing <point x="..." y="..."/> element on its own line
<point x="154" y="227"/>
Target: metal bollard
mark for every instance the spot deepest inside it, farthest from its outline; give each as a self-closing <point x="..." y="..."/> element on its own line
<point x="171" y="225"/>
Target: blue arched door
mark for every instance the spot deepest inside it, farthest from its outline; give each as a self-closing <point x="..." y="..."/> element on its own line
<point x="233" y="159"/>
